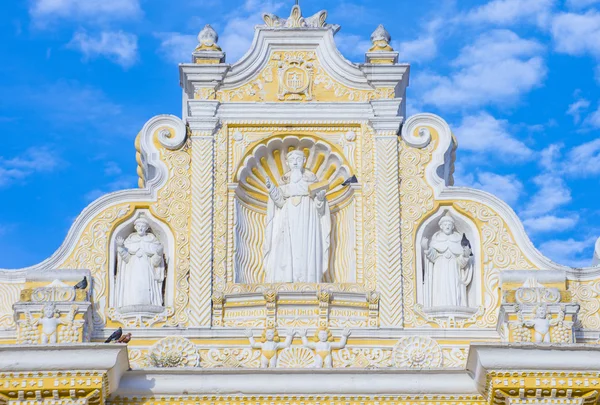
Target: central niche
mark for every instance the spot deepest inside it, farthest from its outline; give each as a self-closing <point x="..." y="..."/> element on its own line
<point x="268" y="160"/>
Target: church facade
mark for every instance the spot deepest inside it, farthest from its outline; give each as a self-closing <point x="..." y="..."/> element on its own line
<point x="297" y="240"/>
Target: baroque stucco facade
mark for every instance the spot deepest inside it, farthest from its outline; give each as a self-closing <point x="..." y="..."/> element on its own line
<point x="527" y="333"/>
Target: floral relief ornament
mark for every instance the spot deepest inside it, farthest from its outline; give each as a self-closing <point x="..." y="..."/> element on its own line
<point x="417" y="352"/>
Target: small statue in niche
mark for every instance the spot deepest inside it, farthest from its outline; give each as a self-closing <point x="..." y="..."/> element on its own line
<point x="270" y="345"/>
<point x="448" y="266"/>
<point x="541" y="323"/>
<point x="298" y="226"/>
<point x="324" y="345"/>
<point x="49" y="320"/>
<point x="140" y="268"/>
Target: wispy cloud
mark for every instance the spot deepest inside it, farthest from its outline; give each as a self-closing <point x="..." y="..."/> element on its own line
<point x="483" y="134"/>
<point x="32" y="161"/>
<point x="423" y="48"/>
<point x="552" y="193"/>
<point x="570" y="251"/>
<point x="507" y="187"/>
<point x="119" y="47"/>
<point x="510" y="12"/>
<point x="577" y="34"/>
<point x="551" y="223"/>
<point x="352" y="46"/>
<point x="497" y="68"/>
<point x="175" y="47"/>
<point x="44" y="12"/>
<point x="577" y="108"/>
<point x="581" y="3"/>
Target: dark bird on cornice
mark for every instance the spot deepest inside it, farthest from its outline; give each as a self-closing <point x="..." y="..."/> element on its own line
<point x="82" y="285"/>
<point x="350" y="180"/>
<point x="115" y="335"/>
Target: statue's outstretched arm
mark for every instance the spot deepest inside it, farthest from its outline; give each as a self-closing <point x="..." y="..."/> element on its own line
<point x="287" y="343"/>
<point x="342" y="343"/>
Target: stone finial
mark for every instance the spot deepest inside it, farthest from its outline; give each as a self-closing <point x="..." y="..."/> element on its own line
<point x="381" y="40"/>
<point x="207" y="39"/>
<point x="207" y="50"/>
<point x="381" y="53"/>
<point x="596" y="259"/>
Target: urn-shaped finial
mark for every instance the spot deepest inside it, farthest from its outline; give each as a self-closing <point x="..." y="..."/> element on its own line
<point x="207" y="39"/>
<point x="381" y="40"/>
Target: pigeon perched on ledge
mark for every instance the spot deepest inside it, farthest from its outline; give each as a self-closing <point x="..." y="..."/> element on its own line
<point x="125" y="338"/>
<point x="350" y="180"/>
<point x="116" y="335"/>
<point x="82" y="285"/>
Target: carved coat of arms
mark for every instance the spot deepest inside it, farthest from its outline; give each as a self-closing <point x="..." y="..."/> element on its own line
<point x="296" y="77"/>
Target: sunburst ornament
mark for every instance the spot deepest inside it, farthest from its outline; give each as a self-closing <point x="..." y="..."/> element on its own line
<point x="417" y="352"/>
<point x="269" y="161"/>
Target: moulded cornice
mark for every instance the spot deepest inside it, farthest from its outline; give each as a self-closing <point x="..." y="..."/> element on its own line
<point x="310" y="381"/>
<point x="486" y="357"/>
<point x="109" y="358"/>
<point x="156" y="175"/>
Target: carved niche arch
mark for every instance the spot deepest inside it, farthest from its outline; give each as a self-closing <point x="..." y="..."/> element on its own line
<point x="462" y="225"/>
<point x="165" y="236"/>
<point x="268" y="159"/>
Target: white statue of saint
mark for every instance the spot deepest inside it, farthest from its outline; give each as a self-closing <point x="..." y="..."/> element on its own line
<point x="448" y="267"/>
<point x="296" y="247"/>
<point x="140" y="268"/>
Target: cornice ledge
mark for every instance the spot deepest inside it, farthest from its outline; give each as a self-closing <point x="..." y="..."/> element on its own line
<point x="486" y="357"/>
<point x="109" y="358"/>
<point x="347" y="382"/>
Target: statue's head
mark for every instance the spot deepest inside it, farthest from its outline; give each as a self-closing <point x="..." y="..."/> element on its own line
<point x="296" y="160"/>
<point x="324" y="334"/>
<point x="49" y="310"/>
<point x="270" y="335"/>
<point x="446" y="224"/>
<point x="541" y="311"/>
<point x="141" y="225"/>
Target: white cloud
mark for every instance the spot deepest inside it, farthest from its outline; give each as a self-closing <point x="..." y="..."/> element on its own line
<point x="33" y="160"/>
<point x="119" y="47"/>
<point x="508" y="188"/>
<point x="581" y="3"/>
<point x="176" y="47"/>
<point x="423" y="48"/>
<point x="510" y="12"/>
<point x="552" y="193"/>
<point x="120" y="183"/>
<point x="549" y="157"/>
<point x="577" y="108"/>
<point x="497" y="68"/>
<point x="481" y="133"/>
<point x="577" y="34"/>
<point x="569" y="251"/>
<point x="45" y="11"/>
<point x="583" y="160"/>
<point x="550" y="223"/>
<point x="352" y="46"/>
<point x="593" y="119"/>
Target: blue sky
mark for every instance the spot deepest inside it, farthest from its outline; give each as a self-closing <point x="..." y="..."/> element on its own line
<point x="516" y="80"/>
